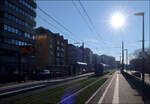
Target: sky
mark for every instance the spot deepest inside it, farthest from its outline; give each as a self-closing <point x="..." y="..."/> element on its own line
<point x="101" y="37"/>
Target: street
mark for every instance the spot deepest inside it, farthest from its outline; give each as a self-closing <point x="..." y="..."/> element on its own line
<point x="117" y="91"/>
<point x="24" y="87"/>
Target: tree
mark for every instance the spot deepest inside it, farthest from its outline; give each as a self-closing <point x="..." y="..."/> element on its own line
<point x="136" y="63"/>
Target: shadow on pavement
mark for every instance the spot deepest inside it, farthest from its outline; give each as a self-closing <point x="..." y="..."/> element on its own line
<point x="136" y="86"/>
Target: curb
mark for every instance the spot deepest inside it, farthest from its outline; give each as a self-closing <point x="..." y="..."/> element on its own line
<point x="21" y="91"/>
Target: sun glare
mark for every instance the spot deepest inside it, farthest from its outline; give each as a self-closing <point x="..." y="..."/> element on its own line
<point x="117" y="20"/>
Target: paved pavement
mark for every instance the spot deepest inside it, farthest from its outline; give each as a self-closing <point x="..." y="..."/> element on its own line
<point x="23" y="87"/>
<point x="117" y="91"/>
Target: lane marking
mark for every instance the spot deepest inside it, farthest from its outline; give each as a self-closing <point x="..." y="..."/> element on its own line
<point x="116" y="91"/>
<point x="24" y="89"/>
<point x="106" y="90"/>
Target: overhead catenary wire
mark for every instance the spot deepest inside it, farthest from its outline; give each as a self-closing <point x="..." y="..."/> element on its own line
<point x="84" y="19"/>
<point x="86" y="22"/>
<point x="58" y="23"/>
<point x="90" y="21"/>
<point x="55" y="27"/>
<point x="82" y="16"/>
<point x="80" y="13"/>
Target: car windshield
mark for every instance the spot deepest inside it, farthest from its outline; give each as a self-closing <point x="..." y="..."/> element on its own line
<point x="74" y="51"/>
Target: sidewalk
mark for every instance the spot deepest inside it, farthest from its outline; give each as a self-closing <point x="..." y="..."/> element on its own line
<point x="117" y="91"/>
<point x="147" y="78"/>
<point x="127" y="92"/>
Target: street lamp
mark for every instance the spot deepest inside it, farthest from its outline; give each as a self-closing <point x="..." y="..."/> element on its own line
<point x="143" y="70"/>
<point x="126" y="57"/>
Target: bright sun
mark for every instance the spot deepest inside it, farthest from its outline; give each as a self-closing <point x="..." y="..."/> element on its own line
<point x="117" y="20"/>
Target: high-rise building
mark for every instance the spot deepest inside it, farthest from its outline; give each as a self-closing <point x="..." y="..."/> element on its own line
<point x="16" y="24"/>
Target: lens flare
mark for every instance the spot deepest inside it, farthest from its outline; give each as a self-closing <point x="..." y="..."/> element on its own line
<point x="117" y="20"/>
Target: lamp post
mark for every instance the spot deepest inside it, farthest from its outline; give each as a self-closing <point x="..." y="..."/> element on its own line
<point x="126" y="57"/>
<point x="143" y="50"/>
<point x="122" y="55"/>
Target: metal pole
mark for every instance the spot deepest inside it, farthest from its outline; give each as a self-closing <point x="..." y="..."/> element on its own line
<point x="143" y="53"/>
<point x="126" y="57"/>
<point x="83" y="52"/>
<point x="122" y="55"/>
<point x="120" y="61"/>
<point x="143" y="49"/>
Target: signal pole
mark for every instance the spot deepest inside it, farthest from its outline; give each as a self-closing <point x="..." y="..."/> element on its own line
<point x="82" y="51"/>
<point x="122" y="55"/>
<point x="143" y="51"/>
<point x="126" y="57"/>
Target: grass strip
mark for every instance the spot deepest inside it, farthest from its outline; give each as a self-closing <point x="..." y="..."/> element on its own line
<point x="58" y="97"/>
<point x="37" y="95"/>
<point x="55" y="93"/>
<point x="87" y="93"/>
<point x="111" y="72"/>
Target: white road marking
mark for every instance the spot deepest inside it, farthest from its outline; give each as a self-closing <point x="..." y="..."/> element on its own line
<point x="24" y="89"/>
<point x="106" y="90"/>
<point x="116" y="91"/>
<point x="87" y="102"/>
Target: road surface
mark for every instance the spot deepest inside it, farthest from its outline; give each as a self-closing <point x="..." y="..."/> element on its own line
<point x="15" y="89"/>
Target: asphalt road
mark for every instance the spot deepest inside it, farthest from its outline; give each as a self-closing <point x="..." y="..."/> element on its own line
<point x="117" y="91"/>
<point x="20" y="88"/>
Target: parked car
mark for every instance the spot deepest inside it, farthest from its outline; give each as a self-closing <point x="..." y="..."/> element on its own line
<point x="137" y="74"/>
<point x="44" y="74"/>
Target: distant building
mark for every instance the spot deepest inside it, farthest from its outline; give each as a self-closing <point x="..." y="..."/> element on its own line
<point x="60" y="50"/>
<point x="45" y="41"/>
<point x="118" y="64"/>
<point x="108" y="60"/>
<point x="88" y="56"/>
<point x="51" y="48"/>
<point x="16" y="23"/>
<point x="94" y="59"/>
<point x="74" y="54"/>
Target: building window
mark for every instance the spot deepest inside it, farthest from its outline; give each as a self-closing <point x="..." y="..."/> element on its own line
<point x="26" y="4"/>
<point x="57" y="48"/>
<point x="18" y="21"/>
<point x="62" y="44"/>
<point x="5" y="27"/>
<point x="58" y="42"/>
<point x="58" y="54"/>
<point x="12" y="6"/>
<point x="33" y="37"/>
<point x="51" y="46"/>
